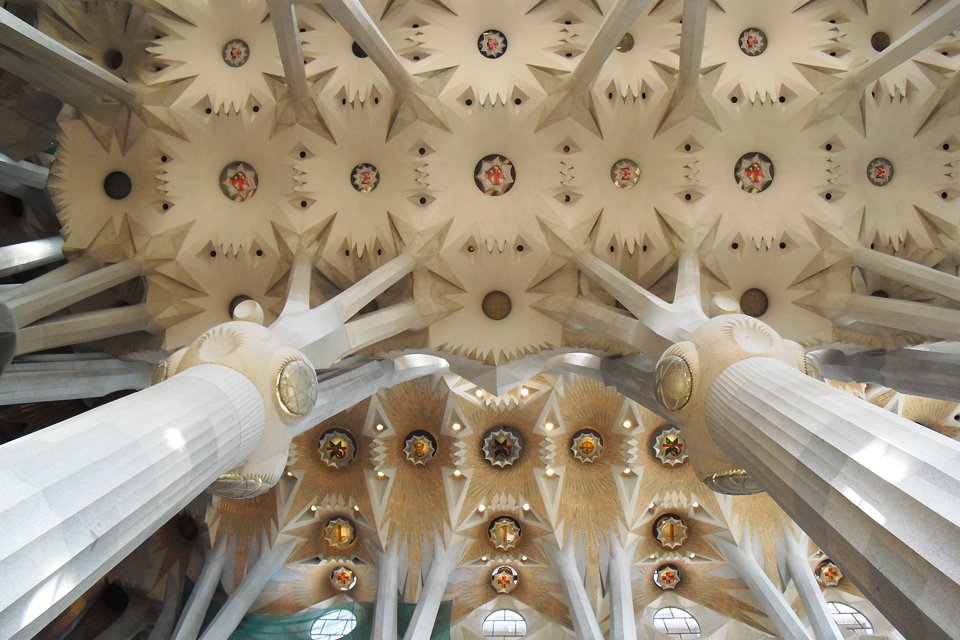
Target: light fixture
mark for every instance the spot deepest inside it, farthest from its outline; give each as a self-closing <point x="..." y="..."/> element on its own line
<point x="289" y="474"/>
<point x="627" y="471"/>
<point x="523" y="558"/>
<point x="478" y="393"/>
<point x="456" y="426"/>
<point x="550" y="472"/>
<point x="381" y="474"/>
<point x="380" y="427"/>
<point x="651" y="506"/>
<point x="457" y="473"/>
<point x="524" y="392"/>
<point x="483" y="558"/>
<point x="356" y="507"/>
<point x="695" y="504"/>
<point x="548" y="426"/>
<point x="481" y="507"/>
<point x="525" y="507"/>
<point x="627" y="424"/>
<point x="692" y="555"/>
<point x="653" y="556"/>
<point x="313" y="507"/>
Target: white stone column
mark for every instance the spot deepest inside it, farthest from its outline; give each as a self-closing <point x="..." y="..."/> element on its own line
<point x="82" y="327"/>
<point x="388" y="592"/>
<point x="771" y="600"/>
<point x="73" y="269"/>
<point x="32" y="307"/>
<point x="24" y="256"/>
<point x="67" y="377"/>
<point x="225" y="622"/>
<point x="931" y="374"/>
<point x="794" y="560"/>
<point x="196" y="608"/>
<point x="163" y="627"/>
<point x="878" y="493"/>
<point x="585" y="624"/>
<point x="425" y="614"/>
<point x="623" y="621"/>
<point x="82" y="494"/>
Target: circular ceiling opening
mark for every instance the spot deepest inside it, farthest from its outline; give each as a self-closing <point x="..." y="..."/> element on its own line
<point x="113" y="59"/>
<point x="625" y="173"/>
<point x="753" y="172"/>
<point x="625" y="44"/>
<point x="754" y="302"/>
<point x="365" y="177"/>
<point x="880" y="40"/>
<point x="496" y="305"/>
<point x="880" y="172"/>
<point x="492" y="44"/>
<point x="238" y="181"/>
<point x="117" y="185"/>
<point x="494" y="175"/>
<point x="752" y="41"/>
<point x="236" y="53"/>
<point x="358" y="50"/>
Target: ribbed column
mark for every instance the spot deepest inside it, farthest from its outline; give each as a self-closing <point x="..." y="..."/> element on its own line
<point x="82" y="327"/>
<point x="196" y="608"/>
<point x="793" y="557"/>
<point x="623" y="621"/>
<point x="87" y="491"/>
<point x="585" y="624"/>
<point x="60" y="377"/>
<point x="388" y="580"/>
<point x="225" y="622"/>
<point x="425" y="613"/>
<point x="24" y="256"/>
<point x="75" y="268"/>
<point x="771" y="600"/>
<point x="878" y="493"/>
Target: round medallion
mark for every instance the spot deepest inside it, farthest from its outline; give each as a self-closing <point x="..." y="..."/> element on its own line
<point x="670" y="447"/>
<point x="828" y="574"/>
<point x="492" y="44"/>
<point x="496" y="305"/>
<point x="236" y="53"/>
<point x="502" y="447"/>
<point x="364" y="177"/>
<point x="420" y="447"/>
<point x="494" y="175"/>
<point x="343" y="578"/>
<point x="733" y="482"/>
<point x="674" y="383"/>
<point x="754" y="302"/>
<point x="880" y="172"/>
<point x="340" y="533"/>
<point x="754" y="172"/>
<point x="504" y="579"/>
<point x="625" y="173"/>
<point x="586" y="445"/>
<point x="297" y="388"/>
<point x="753" y="41"/>
<point x="670" y="531"/>
<point x="337" y="448"/>
<point x="504" y="533"/>
<point x="238" y="181"/>
<point x="666" y="577"/>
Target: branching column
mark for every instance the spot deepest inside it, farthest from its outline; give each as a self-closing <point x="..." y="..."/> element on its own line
<point x="425" y="614"/>
<point x="585" y="624"/>
<point x="623" y="621"/>
<point x="385" y="611"/>
<point x="87" y="491"/>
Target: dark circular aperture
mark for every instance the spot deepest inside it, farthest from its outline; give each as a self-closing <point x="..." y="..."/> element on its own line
<point x="625" y="44"/>
<point x="117" y="185"/>
<point x="496" y="305"/>
<point x="187" y="527"/>
<point x="115" y="598"/>
<point x="880" y="40"/>
<point x="113" y="59"/>
<point x="358" y="50"/>
<point x="754" y="302"/>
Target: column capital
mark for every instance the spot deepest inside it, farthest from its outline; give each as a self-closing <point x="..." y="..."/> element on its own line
<point x="686" y="372"/>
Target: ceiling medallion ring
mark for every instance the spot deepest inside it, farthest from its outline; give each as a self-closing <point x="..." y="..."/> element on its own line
<point x="420" y="447"/>
<point x="340" y="533"/>
<point x="236" y="53"/>
<point x="343" y="578"/>
<point x="667" y="577"/>
<point x="494" y="174"/>
<point x="670" y="447"/>
<point x="670" y="531"/>
<point x="337" y="448"/>
<point x="753" y="172"/>
<point x="733" y="482"/>
<point x="880" y="172"/>
<point x="828" y="574"/>
<point x="752" y="41"/>
<point x="238" y="181"/>
<point x="502" y="446"/>
<point x="297" y="388"/>
<point x="504" y="579"/>
<point x="365" y="177"/>
<point x="492" y="44"/>
<point x="586" y="445"/>
<point x="625" y="173"/>
<point x="504" y="533"/>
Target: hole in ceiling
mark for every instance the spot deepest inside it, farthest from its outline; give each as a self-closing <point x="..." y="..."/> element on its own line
<point x="496" y="305"/>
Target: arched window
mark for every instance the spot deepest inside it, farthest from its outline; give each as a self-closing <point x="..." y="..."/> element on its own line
<point x="503" y="624"/>
<point x="677" y="623"/>
<point x="333" y="625"/>
<point x="848" y="618"/>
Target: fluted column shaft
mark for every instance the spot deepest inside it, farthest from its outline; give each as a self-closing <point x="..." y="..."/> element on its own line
<point x="880" y="494"/>
<point x="87" y="491"/>
<point x="388" y="582"/>
<point x="822" y="623"/>
<point x="24" y="256"/>
<point x="82" y="327"/>
<point x="425" y="613"/>
<point x="623" y="621"/>
<point x="585" y="624"/>
<point x="196" y="608"/>
<point x="59" y="377"/>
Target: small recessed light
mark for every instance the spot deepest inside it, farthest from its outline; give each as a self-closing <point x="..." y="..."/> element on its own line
<point x="653" y="556"/>
<point x="550" y="472"/>
<point x="481" y="508"/>
<point x="627" y="424"/>
<point x="627" y="471"/>
<point x="483" y="558"/>
<point x="289" y="474"/>
<point x="523" y="558"/>
<point x="525" y="507"/>
<point x="381" y="474"/>
<point x="695" y="504"/>
<point x="524" y="392"/>
<point x="313" y="507"/>
<point x="457" y="473"/>
<point x="478" y="393"/>
<point x="380" y="427"/>
<point x="548" y="426"/>
<point x="356" y="507"/>
<point x="456" y="426"/>
<point x="652" y="506"/>
<point x="692" y="556"/>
